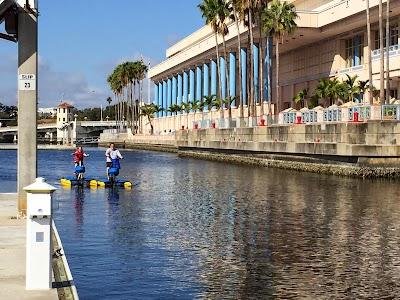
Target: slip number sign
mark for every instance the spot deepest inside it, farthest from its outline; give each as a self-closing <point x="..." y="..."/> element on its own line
<point x="27" y="82"/>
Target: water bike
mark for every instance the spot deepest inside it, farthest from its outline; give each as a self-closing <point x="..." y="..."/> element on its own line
<point x="78" y="179"/>
<point x="112" y="180"/>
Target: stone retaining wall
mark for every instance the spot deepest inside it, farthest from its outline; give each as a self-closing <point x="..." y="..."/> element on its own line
<point x="372" y="139"/>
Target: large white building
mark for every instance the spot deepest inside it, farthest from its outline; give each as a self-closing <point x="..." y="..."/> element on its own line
<point x="330" y="42"/>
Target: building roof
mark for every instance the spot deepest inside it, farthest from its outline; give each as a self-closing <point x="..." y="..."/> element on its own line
<point x="65" y="105"/>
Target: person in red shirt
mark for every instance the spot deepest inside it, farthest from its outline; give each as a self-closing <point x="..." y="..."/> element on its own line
<point x="79" y="154"/>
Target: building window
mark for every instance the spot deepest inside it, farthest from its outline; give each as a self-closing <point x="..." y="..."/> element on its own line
<point x="394" y="36"/>
<point x="354" y="51"/>
<point x="393" y="94"/>
<point x="64" y="110"/>
<point x="63" y="119"/>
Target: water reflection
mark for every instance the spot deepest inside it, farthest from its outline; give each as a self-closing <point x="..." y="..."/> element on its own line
<point x="79" y="200"/>
<point x="197" y="229"/>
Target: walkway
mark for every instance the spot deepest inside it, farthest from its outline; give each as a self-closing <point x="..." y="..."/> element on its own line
<point x="12" y="255"/>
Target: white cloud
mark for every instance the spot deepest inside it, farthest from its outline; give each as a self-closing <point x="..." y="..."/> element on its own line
<point x="55" y="85"/>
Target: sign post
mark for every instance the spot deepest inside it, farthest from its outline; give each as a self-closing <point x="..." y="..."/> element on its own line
<point x="27" y="97"/>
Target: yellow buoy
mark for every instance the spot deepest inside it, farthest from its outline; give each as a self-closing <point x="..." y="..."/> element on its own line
<point x="127" y="185"/>
<point x="101" y="183"/>
<point x="65" y="182"/>
<point x="93" y="183"/>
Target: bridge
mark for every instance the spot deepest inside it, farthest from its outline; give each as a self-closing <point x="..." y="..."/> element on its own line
<point x="83" y="132"/>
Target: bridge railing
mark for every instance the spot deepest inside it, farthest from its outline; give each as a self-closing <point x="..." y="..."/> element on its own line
<point x="115" y="130"/>
<point x="97" y="123"/>
<point x="87" y="140"/>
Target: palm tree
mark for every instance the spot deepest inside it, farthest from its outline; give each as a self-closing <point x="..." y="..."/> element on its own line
<point x="149" y="110"/>
<point x="142" y="69"/>
<point x="364" y="85"/>
<point x="387" y="52"/>
<point x="109" y="100"/>
<point x="279" y="19"/>
<point x="370" y="98"/>
<point x="237" y="9"/>
<point x="174" y="109"/>
<point x="132" y="75"/>
<point x="227" y="102"/>
<point x="260" y="6"/>
<point x="210" y="10"/>
<point x="208" y="101"/>
<point x="223" y="15"/>
<point x="249" y="10"/>
<point x="352" y="86"/>
<point x="186" y="107"/>
<point x="301" y="97"/>
<point x="116" y="86"/>
<point x="382" y="69"/>
<point x="329" y="90"/>
<point x="195" y="106"/>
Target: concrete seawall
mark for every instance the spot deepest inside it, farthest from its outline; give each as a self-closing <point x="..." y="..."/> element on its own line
<point x="353" y="149"/>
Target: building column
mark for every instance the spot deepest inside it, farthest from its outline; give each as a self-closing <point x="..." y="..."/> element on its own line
<point x="268" y="69"/>
<point x="232" y="74"/>
<point x="256" y="72"/>
<point x="185" y="87"/>
<point x="213" y="78"/>
<point x="222" y="73"/>
<point x="198" y="83"/>
<point x="243" y="56"/>
<point x="155" y="101"/>
<point x="169" y="96"/>
<point x="191" y="85"/>
<point x="164" y="98"/>
<point x="206" y="80"/>
<point x="174" y="86"/>
<point x="160" y="98"/>
<point x="179" y="97"/>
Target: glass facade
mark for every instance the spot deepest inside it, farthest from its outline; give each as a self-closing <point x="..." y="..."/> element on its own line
<point x="394" y="36"/>
<point x="354" y="51"/>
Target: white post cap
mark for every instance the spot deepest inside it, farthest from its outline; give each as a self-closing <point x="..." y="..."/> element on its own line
<point x="40" y="186"/>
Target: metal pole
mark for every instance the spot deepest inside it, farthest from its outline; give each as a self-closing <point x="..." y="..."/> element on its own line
<point x="27" y="100"/>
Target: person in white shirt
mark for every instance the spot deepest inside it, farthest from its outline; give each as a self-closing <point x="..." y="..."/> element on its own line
<point x="112" y="153"/>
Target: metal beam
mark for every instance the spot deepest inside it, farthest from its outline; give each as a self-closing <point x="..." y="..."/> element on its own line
<point x="4" y="6"/>
<point x="8" y="37"/>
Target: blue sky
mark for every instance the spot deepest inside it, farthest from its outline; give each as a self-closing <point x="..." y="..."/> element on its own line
<point x="80" y="41"/>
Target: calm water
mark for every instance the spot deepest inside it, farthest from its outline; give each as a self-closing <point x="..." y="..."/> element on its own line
<point x="197" y="229"/>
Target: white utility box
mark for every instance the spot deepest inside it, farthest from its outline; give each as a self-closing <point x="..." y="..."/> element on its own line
<point x="38" y="235"/>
